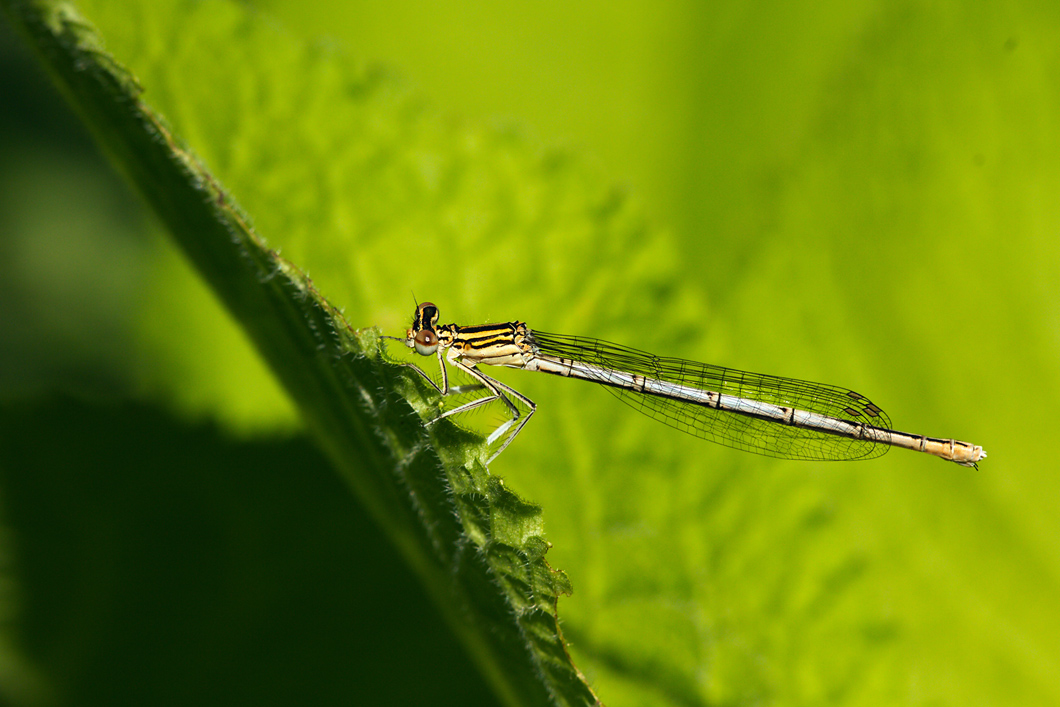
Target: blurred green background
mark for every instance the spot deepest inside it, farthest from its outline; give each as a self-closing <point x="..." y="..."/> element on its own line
<point x="857" y="193"/>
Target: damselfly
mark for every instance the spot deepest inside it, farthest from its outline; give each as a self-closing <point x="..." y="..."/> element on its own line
<point x="770" y="415"/>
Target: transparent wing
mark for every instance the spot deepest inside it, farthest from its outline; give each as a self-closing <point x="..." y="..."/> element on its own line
<point x="744" y="432"/>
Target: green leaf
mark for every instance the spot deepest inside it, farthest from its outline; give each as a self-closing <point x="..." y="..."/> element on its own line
<point x="477" y="548"/>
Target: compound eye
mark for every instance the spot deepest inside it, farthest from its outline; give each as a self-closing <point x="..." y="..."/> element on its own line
<point x="427" y="315"/>
<point x="426" y="342"/>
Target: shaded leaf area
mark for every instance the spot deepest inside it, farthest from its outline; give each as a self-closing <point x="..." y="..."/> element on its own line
<point x="162" y="563"/>
<point x="477" y="548"/>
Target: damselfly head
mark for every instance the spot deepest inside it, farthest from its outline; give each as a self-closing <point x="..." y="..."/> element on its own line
<point x="422" y="335"/>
